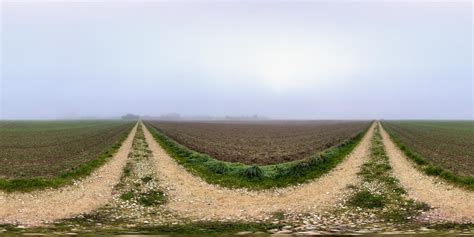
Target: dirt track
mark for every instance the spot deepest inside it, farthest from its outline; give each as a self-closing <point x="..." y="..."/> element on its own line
<point x="451" y="203"/>
<point x="189" y="196"/>
<point x="83" y="196"/>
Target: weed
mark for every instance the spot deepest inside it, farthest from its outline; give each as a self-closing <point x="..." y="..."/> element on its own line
<point x="253" y="172"/>
<point x="127" y="196"/>
<point x="365" y="199"/>
<point x="151" y="198"/>
<point x="147" y="179"/>
<point x="127" y="170"/>
<point x="278" y="215"/>
<point x="217" y="167"/>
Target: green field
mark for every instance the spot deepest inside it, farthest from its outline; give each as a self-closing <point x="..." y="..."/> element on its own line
<point x="47" y="149"/>
<point x="448" y="144"/>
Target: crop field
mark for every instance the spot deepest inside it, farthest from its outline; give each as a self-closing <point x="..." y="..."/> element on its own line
<point x="43" y="149"/>
<point x="449" y="144"/>
<point x="260" y="143"/>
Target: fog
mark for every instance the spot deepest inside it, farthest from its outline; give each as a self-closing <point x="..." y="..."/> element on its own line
<point x="312" y="60"/>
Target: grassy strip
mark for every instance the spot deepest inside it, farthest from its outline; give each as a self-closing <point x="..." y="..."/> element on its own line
<point x="26" y="185"/>
<point x="237" y="175"/>
<point x="200" y="228"/>
<point x="146" y="192"/>
<point x="430" y="169"/>
<point x="379" y="192"/>
<point x="209" y="227"/>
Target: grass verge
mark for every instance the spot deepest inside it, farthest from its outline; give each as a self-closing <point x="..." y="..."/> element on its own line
<point x="200" y="228"/>
<point x="209" y="227"/>
<point x="26" y="185"/>
<point x="237" y="175"/>
<point x="431" y="169"/>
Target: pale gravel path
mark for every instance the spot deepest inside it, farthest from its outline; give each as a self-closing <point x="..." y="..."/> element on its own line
<point x="85" y="195"/>
<point x="192" y="197"/>
<point x="451" y="203"/>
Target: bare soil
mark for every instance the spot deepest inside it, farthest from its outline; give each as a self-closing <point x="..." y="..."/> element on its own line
<point x="262" y="143"/>
<point x="448" y="144"/>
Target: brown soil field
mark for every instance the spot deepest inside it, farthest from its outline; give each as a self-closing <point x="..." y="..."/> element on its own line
<point x="43" y="149"/>
<point x="263" y="143"/>
<point x="449" y="144"/>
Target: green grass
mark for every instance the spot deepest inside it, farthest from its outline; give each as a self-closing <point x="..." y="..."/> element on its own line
<point x="147" y="179"/>
<point x="66" y="177"/>
<point x="442" y="131"/>
<point x="237" y="175"/>
<point x="199" y="228"/>
<point x="151" y="198"/>
<point x="127" y="196"/>
<point x="209" y="227"/>
<point x="366" y="199"/>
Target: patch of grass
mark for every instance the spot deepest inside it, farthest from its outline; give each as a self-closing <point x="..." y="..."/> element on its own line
<point x="146" y="179"/>
<point x="127" y="196"/>
<point x="151" y="198"/>
<point x="218" y="167"/>
<point x="212" y="228"/>
<point x="237" y="175"/>
<point x="279" y="215"/>
<point x="127" y="170"/>
<point x="365" y="199"/>
<point x="253" y="172"/>
<point x="209" y="227"/>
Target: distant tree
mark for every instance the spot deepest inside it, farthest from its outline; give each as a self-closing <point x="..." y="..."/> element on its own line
<point x="130" y="117"/>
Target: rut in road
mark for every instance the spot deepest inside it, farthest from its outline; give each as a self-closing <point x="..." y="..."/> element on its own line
<point x="85" y="195"/>
<point x="451" y="203"/>
<point x="190" y="196"/>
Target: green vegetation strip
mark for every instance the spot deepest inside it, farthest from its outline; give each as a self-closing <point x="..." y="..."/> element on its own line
<point x="209" y="227"/>
<point x="237" y="175"/>
<point x="199" y="228"/>
<point x="30" y="184"/>
<point x="144" y="192"/>
<point x="379" y="193"/>
<point x="431" y="169"/>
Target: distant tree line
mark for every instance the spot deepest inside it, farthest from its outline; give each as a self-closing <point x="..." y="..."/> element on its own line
<point x="130" y="117"/>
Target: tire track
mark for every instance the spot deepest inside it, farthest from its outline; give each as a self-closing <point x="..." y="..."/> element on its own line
<point x="191" y="197"/>
<point x="85" y="195"/>
<point x="450" y="203"/>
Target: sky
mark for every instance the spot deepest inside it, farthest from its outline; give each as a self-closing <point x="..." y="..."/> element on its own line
<point x="283" y="60"/>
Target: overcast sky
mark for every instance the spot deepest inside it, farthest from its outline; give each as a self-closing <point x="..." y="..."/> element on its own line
<point x="306" y="60"/>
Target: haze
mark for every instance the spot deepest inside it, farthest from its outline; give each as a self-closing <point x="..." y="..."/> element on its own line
<point x="302" y="60"/>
